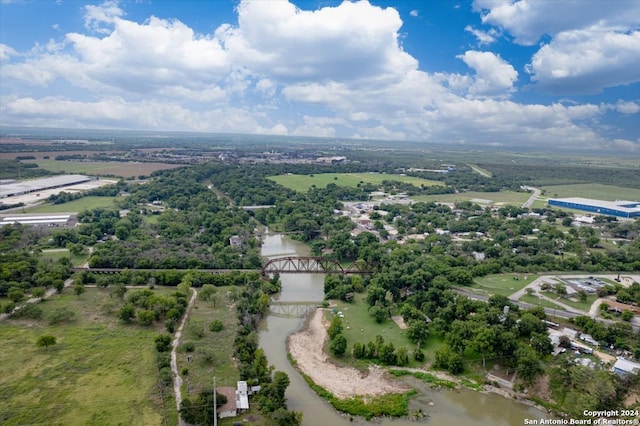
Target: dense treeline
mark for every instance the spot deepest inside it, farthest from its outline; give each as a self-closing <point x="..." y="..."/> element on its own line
<point x="14" y="169"/>
<point x="542" y="174"/>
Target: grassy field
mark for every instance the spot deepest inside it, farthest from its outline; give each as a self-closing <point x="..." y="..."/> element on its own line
<point x="505" y="197"/>
<point x="502" y="284"/>
<point x="359" y="326"/>
<point x="111" y="168"/>
<point x="594" y="190"/>
<point x="302" y="183"/>
<point x="56" y="254"/>
<point x="84" y="203"/>
<point x="219" y="343"/>
<point x="536" y="301"/>
<point x="100" y="372"/>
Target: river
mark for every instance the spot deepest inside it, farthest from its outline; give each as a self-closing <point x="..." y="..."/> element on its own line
<point x="444" y="407"/>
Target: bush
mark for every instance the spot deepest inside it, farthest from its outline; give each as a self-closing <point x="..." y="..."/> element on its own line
<point x="60" y="315"/>
<point x="188" y="347"/>
<point x="196" y="329"/>
<point x="216" y="326"/>
<point x="163" y="343"/>
<point x="29" y="311"/>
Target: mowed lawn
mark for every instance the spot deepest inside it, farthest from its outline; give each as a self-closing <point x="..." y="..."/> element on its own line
<point x="100" y="372"/>
<point x="501" y="284"/>
<point x="594" y="190"/>
<point x="359" y="326"/>
<point x="81" y="204"/>
<point x="302" y="183"/>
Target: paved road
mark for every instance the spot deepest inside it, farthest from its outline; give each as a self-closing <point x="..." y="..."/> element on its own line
<point x="536" y="193"/>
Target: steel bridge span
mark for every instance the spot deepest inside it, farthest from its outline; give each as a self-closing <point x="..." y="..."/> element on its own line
<point x="317" y="265"/>
<point x="280" y="265"/>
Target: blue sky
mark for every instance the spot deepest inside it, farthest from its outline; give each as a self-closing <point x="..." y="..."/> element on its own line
<point x="530" y="73"/>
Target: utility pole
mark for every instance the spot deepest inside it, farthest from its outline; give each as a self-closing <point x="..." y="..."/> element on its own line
<point x="215" y="409"/>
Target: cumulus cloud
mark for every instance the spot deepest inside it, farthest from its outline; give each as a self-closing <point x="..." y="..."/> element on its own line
<point x="352" y="41"/>
<point x="341" y="69"/>
<point x="586" y="61"/>
<point x="529" y="20"/>
<point x="494" y="75"/>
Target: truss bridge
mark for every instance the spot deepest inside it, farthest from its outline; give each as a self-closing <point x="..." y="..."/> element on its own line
<point x="292" y="309"/>
<point x="317" y="265"/>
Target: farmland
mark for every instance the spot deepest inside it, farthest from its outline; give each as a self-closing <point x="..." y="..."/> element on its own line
<point x="78" y="205"/>
<point x="104" y="168"/>
<point x="302" y="183"/>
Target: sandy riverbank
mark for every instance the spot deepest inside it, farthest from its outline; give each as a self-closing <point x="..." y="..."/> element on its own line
<point x="306" y="347"/>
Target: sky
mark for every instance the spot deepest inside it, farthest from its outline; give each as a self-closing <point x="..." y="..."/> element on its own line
<point x="534" y="74"/>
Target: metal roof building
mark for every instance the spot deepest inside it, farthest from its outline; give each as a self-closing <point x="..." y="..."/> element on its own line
<point x="628" y="209"/>
<point x="35" y="185"/>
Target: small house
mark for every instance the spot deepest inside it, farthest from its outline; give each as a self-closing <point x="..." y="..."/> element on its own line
<point x="624" y="366"/>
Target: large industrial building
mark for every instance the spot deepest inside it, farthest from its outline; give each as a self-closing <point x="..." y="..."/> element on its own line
<point x="36" y="185"/>
<point x="628" y="209"/>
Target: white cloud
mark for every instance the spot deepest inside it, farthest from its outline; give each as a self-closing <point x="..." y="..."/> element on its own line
<point x="6" y="52"/>
<point x="629" y="108"/>
<point x="494" y="76"/>
<point x="353" y="41"/>
<point x="96" y="17"/>
<point x="586" y="61"/>
<point x="529" y="20"/>
<point x="415" y="13"/>
<point x="340" y="70"/>
<point x="484" y="37"/>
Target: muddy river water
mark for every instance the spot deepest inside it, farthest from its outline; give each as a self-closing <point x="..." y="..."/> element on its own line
<point x="444" y="407"/>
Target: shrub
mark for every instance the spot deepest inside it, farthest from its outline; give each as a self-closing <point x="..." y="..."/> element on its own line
<point x="60" y="315"/>
<point x="216" y="326"/>
<point x="188" y="347"/>
<point x="163" y="342"/>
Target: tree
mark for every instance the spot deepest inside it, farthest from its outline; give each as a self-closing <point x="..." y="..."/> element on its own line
<point x="484" y="343"/>
<point x="338" y="345"/>
<point x="335" y="328"/>
<point x="146" y="317"/>
<point x="378" y="313"/>
<point x="38" y="292"/>
<point x="541" y="343"/>
<point x="418" y="332"/>
<point x="163" y="342"/>
<point x="58" y="285"/>
<point x="45" y="341"/>
<point x="78" y="289"/>
<point x="627" y="315"/>
<point x="127" y="313"/>
<point x="16" y="294"/>
<point x="216" y="326"/>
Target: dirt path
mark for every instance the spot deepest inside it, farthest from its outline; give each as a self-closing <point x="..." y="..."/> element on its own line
<point x="177" y="380"/>
<point x="306" y="347"/>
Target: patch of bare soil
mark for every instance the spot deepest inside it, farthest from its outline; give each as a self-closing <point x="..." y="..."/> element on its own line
<point x="306" y="347"/>
<point x="540" y="388"/>
<point x="399" y="322"/>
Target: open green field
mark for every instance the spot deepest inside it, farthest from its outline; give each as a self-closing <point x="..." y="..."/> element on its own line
<point x="502" y="197"/>
<point x="595" y="190"/>
<point x="56" y="254"/>
<point x="221" y="345"/>
<point x="536" y="301"/>
<point x="502" y="284"/>
<point x="359" y="326"/>
<point x="100" y="372"/>
<point x="84" y="203"/>
<point x="110" y="168"/>
<point x="302" y="183"/>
